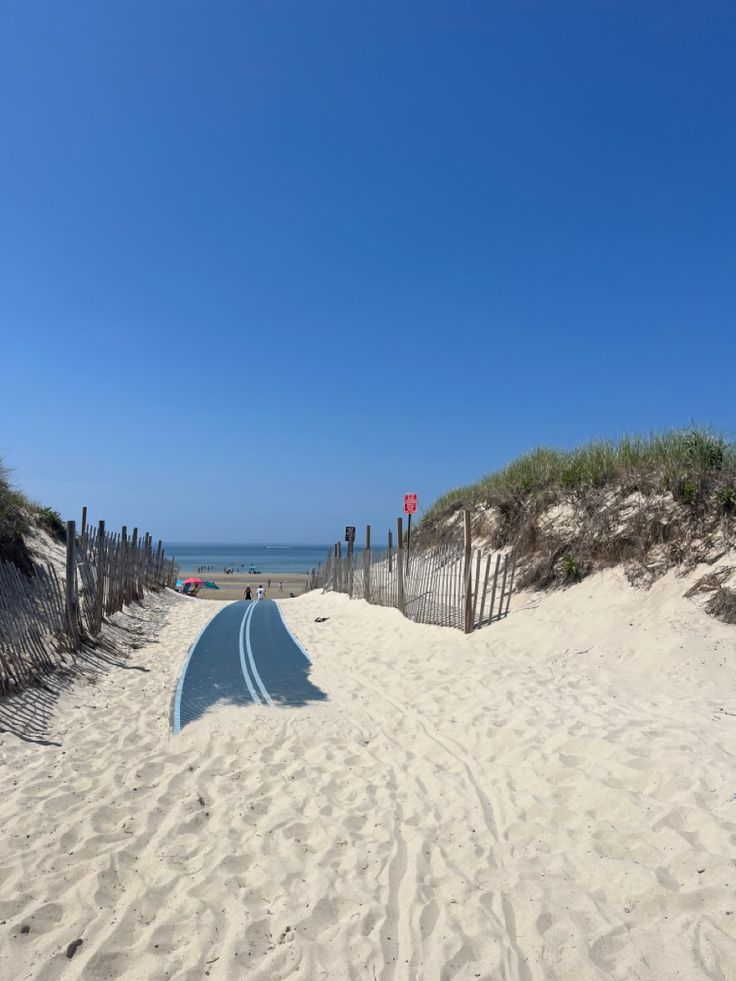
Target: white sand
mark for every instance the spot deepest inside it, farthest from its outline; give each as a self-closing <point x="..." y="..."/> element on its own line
<point x="548" y="798"/>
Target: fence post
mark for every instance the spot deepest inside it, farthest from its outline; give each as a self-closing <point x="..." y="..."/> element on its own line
<point x="125" y="562"/>
<point x="468" y="573"/>
<point x="147" y="552"/>
<point x="367" y="565"/>
<point x="349" y="551"/>
<point x="134" y="591"/>
<point x="400" y="568"/>
<point x="390" y="545"/>
<point x="83" y="531"/>
<point x="71" y="584"/>
<point x="100" y="600"/>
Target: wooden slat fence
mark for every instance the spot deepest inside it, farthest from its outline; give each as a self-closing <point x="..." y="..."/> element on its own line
<point x="449" y="585"/>
<point x="117" y="569"/>
<point x="315" y="579"/>
<point x="33" y="625"/>
<point x="44" y="620"/>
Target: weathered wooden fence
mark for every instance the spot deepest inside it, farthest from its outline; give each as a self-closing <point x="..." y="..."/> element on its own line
<point x="44" y="620"/>
<point x="452" y="585"/>
<point x="112" y="570"/>
<point x="33" y="625"/>
<point x="315" y="578"/>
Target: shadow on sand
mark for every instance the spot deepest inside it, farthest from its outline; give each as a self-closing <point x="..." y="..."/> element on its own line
<point x="28" y="715"/>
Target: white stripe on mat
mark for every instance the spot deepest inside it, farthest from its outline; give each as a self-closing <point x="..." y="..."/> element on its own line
<point x="245" y="621"/>
<point x="253" y="663"/>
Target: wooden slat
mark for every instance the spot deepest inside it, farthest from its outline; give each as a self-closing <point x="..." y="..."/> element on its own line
<point x="495" y="584"/>
<point x="503" y="585"/>
<point x="511" y="585"/>
<point x="485" y="590"/>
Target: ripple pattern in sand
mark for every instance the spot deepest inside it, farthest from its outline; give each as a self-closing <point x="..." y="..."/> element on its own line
<point x="455" y="810"/>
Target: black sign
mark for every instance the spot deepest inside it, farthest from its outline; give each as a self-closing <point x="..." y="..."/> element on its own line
<point x="349" y="533"/>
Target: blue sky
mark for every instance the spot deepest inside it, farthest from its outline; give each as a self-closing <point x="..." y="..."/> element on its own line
<point x="266" y="266"/>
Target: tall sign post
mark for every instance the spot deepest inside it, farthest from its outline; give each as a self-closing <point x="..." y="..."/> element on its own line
<point x="410" y="508"/>
<point x="350" y="539"/>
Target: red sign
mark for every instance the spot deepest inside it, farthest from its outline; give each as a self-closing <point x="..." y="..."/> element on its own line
<point x="410" y="503"/>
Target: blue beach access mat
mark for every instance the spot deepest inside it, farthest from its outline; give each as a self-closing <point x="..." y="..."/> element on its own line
<point x="244" y="656"/>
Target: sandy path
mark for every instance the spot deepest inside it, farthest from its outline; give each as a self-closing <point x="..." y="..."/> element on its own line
<point x="549" y="798"/>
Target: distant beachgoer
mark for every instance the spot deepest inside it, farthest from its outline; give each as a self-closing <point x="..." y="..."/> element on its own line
<point x="281" y="587"/>
<point x="247" y="593"/>
<point x="269" y="583"/>
<point x="261" y="592"/>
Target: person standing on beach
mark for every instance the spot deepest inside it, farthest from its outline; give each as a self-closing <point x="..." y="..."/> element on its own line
<point x="247" y="593"/>
<point x="261" y="593"/>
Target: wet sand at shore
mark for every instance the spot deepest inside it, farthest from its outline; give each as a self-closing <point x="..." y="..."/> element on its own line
<point x="232" y="586"/>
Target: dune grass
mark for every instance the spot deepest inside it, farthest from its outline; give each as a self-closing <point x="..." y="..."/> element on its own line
<point x="13" y="507"/>
<point x="694" y="465"/>
<point x="16" y="510"/>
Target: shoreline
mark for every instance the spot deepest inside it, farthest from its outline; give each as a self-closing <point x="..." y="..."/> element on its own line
<point x="232" y="586"/>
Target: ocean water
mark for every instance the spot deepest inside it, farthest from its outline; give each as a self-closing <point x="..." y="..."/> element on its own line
<point x="266" y="558"/>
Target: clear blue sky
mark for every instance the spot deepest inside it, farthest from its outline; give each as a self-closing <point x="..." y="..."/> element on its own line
<point x="265" y="266"/>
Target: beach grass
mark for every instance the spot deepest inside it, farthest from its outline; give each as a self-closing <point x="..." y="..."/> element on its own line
<point x="17" y="511"/>
<point x="690" y="464"/>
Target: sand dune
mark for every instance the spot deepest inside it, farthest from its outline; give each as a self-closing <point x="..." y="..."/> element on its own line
<point x="550" y="798"/>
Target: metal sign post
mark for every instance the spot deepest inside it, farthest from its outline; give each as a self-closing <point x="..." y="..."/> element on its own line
<point x="410" y="508"/>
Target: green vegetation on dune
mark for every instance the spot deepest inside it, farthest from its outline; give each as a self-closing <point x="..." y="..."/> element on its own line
<point x="646" y="503"/>
<point x="13" y="507"/>
<point x="16" y="514"/>
<point x="692" y="465"/>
